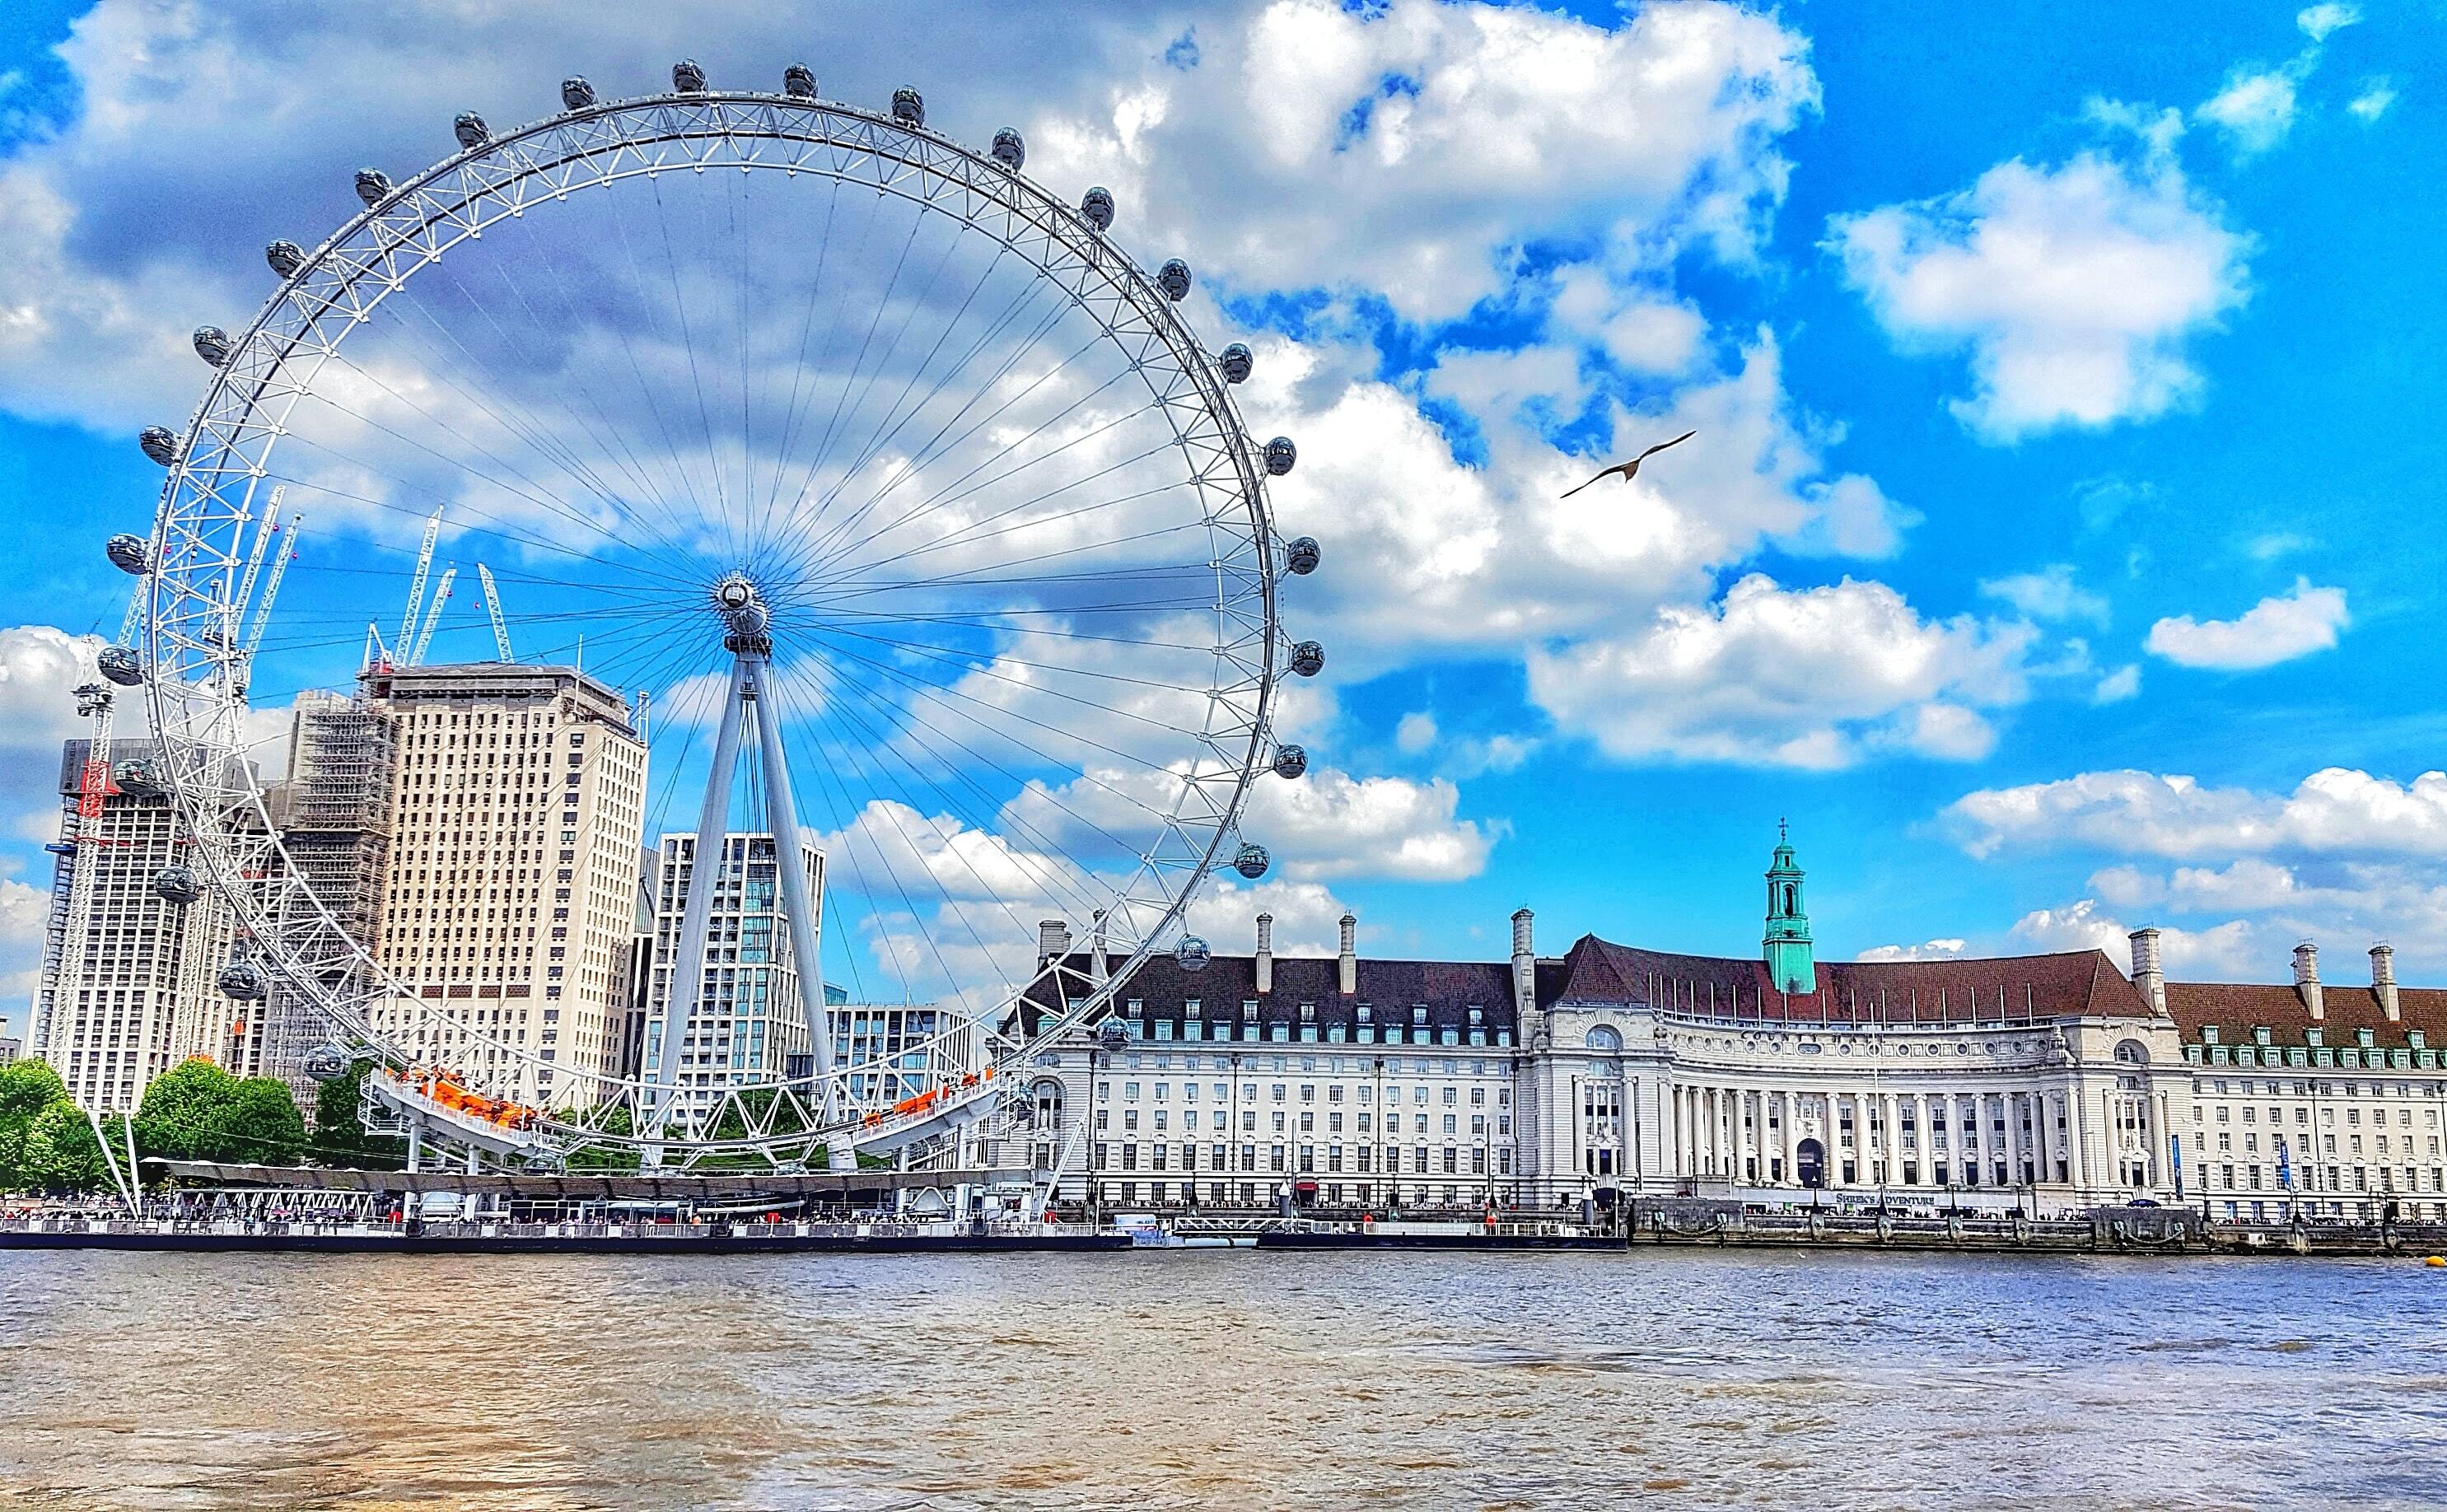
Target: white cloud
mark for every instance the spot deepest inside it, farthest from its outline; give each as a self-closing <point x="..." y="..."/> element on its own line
<point x="2278" y="629"/>
<point x="1414" y="732"/>
<point x="1324" y="825"/>
<point x="2228" y="951"/>
<point x="2049" y="594"/>
<point x="2377" y="93"/>
<point x="2318" y="21"/>
<point x="1309" y="131"/>
<point x="2120" y="686"/>
<point x="2336" y="811"/>
<point x="2255" y="109"/>
<point x="1936" y="950"/>
<point x="1813" y="678"/>
<point x="2075" y="288"/>
<point x="1432" y="556"/>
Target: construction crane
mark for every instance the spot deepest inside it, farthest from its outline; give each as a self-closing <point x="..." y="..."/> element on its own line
<point x="433" y="616"/>
<point x="493" y="607"/>
<point x="263" y="535"/>
<point x="272" y="580"/>
<point x="416" y="584"/>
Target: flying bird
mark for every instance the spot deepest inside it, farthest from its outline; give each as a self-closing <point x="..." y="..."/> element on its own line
<point x="1631" y="470"/>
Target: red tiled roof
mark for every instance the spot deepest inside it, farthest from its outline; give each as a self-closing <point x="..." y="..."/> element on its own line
<point x="1946" y="992"/>
<point x="2235" y="1008"/>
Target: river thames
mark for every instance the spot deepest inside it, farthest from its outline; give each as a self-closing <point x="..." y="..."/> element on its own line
<point x="1218" y="1379"/>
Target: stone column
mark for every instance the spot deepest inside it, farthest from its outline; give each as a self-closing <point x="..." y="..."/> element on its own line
<point x="2013" y="1137"/>
<point x="2074" y="1136"/>
<point x="1792" y="1141"/>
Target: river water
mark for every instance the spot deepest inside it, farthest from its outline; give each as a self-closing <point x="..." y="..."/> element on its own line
<point x="1218" y="1379"/>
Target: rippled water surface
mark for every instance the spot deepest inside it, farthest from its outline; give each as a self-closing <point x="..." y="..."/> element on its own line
<point x="1217" y="1379"/>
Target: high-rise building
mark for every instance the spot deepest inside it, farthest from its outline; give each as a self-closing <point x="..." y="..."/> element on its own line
<point x="127" y="986"/>
<point x="517" y="807"/>
<point x="747" y="1025"/>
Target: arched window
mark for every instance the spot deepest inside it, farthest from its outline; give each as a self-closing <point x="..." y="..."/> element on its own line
<point x="2133" y="1052"/>
<point x="1604" y="1039"/>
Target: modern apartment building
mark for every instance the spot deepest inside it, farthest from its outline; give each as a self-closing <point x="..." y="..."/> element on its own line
<point x="127" y="986"/>
<point x="747" y="1025"/>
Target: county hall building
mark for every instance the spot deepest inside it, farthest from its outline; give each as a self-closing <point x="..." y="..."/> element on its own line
<point x="2043" y="1083"/>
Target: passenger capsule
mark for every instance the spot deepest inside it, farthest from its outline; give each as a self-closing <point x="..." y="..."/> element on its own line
<point x="1280" y="454"/>
<point x="1112" y="1033"/>
<point x="120" y="665"/>
<point x="1009" y="149"/>
<point x="1308" y="659"/>
<point x="798" y="83"/>
<point x="470" y="130"/>
<point x="687" y="78"/>
<point x="908" y="107"/>
<point x="1097" y="205"/>
<point x="1173" y="279"/>
<point x="1291" y="760"/>
<point x="243" y="980"/>
<point x="373" y="185"/>
<point x="132" y="555"/>
<point x="576" y="94"/>
<point x="177" y="884"/>
<point x="139" y="778"/>
<point x="159" y="443"/>
<point x="1250" y="860"/>
<point x="213" y="345"/>
<point x="286" y="258"/>
<point x="1192" y="955"/>
<point x="1237" y="363"/>
<point x="1300" y="554"/>
<point x="326" y="1063"/>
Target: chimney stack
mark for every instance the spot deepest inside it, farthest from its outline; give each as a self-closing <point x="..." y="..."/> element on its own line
<point x="2383" y="981"/>
<point x="1350" y="954"/>
<point x="2149" y="978"/>
<point x="1525" y="968"/>
<point x="1266" y="953"/>
<point x="1097" y="951"/>
<point x="1053" y="940"/>
<point x="2306" y="978"/>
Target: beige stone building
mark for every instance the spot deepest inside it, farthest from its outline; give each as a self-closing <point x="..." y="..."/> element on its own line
<point x="510" y="895"/>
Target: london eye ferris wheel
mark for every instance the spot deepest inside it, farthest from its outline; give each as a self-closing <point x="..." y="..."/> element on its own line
<point x="903" y="496"/>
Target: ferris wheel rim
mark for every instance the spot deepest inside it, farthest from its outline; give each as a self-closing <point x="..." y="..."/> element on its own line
<point x="920" y="154"/>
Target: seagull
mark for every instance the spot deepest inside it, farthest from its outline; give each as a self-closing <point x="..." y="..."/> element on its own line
<point x="1631" y="470"/>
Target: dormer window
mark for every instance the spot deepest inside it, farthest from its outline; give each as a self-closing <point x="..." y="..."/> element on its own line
<point x="2208" y="1033"/>
<point x="2311" y="1036"/>
<point x="1367" y="1014"/>
<point x="1308" y="1012"/>
<point x="1418" y="1013"/>
<point x="1136" y="1008"/>
<point x="1477" y="1015"/>
<point x="2260" y="1034"/>
<point x="1249" y="1008"/>
<point x="1194" y="1008"/>
<point x="2365" y="1038"/>
<point x="2419" y="1040"/>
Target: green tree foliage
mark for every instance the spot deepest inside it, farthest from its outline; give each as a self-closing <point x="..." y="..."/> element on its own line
<point x="196" y="1111"/>
<point x="60" y="1153"/>
<point x="27" y="1088"/>
<point x="340" y="1136"/>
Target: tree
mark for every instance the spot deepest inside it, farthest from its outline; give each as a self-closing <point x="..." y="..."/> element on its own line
<point x="60" y="1152"/>
<point x="340" y="1134"/>
<point x="27" y="1088"/>
<point x="196" y="1111"/>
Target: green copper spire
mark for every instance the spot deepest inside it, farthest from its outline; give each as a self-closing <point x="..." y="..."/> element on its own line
<point x="1789" y="961"/>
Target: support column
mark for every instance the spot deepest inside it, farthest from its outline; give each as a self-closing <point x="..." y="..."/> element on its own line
<point x="782" y="812"/>
<point x="1792" y="1138"/>
<point x="688" y="972"/>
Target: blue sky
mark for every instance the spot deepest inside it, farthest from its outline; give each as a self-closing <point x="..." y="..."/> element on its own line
<point x="2057" y="550"/>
